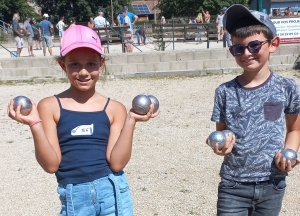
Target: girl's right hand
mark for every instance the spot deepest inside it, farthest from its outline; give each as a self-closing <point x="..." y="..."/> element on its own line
<point x="143" y="118"/>
<point x="17" y="116"/>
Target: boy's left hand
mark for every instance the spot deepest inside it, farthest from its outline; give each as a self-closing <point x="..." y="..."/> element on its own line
<point x="283" y="164"/>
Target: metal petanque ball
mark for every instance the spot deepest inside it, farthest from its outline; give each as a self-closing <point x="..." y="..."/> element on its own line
<point x="141" y="104"/>
<point x="226" y="132"/>
<point x="290" y="154"/>
<point x="26" y="104"/>
<point x="217" y="137"/>
<point x="155" y="102"/>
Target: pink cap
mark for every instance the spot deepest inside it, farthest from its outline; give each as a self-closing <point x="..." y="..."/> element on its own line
<point x="79" y="36"/>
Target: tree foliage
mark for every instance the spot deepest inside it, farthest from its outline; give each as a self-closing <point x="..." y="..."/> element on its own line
<point x="81" y="10"/>
<point x="9" y="7"/>
<point x="191" y="8"/>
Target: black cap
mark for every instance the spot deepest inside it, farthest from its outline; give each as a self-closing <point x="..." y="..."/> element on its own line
<point x="239" y="16"/>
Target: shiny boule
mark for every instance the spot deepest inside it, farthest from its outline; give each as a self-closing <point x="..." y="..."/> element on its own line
<point x="141" y="104"/>
<point x="226" y="132"/>
<point x="155" y="102"/>
<point x="217" y="137"/>
<point x="290" y="154"/>
<point x="26" y="104"/>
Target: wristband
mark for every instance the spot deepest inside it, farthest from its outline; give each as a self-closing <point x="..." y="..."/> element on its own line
<point x="35" y="122"/>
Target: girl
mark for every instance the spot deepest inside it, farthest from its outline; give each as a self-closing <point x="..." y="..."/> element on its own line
<point x="82" y="136"/>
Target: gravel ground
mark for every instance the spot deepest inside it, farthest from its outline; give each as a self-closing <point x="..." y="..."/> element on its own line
<point x="172" y="171"/>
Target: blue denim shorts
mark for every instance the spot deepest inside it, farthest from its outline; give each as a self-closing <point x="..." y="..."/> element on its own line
<point x="107" y="196"/>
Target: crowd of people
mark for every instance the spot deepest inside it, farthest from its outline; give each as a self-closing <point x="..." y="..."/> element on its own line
<point x="42" y="33"/>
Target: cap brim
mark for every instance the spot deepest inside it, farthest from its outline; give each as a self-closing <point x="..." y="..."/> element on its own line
<point x="233" y="14"/>
<point x="80" y="45"/>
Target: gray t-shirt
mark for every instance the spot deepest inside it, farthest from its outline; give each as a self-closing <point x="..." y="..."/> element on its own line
<point x="29" y="28"/>
<point x="257" y="118"/>
<point x="15" y="27"/>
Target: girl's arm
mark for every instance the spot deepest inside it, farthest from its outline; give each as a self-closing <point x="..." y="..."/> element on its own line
<point x="121" y="134"/>
<point x="292" y="141"/>
<point x="47" y="150"/>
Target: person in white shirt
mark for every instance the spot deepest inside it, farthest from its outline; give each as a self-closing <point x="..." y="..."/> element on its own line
<point x="61" y="27"/>
<point x="127" y="23"/>
<point x="99" y="21"/>
<point x="219" y="21"/>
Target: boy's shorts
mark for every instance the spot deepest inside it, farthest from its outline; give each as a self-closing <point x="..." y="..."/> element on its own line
<point x="109" y="196"/>
<point x="19" y="42"/>
<point x="47" y="41"/>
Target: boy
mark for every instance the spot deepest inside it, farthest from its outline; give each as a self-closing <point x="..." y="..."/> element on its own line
<point x="255" y="106"/>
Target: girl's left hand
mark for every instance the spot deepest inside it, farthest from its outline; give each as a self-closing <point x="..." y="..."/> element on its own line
<point x="145" y="117"/>
<point x="283" y="164"/>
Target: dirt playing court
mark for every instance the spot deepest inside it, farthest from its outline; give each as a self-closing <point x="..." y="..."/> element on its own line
<point x="172" y="171"/>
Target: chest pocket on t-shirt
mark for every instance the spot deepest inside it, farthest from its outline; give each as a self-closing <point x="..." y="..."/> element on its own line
<point x="273" y="110"/>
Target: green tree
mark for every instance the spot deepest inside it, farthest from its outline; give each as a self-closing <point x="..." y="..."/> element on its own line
<point x="193" y="7"/>
<point x="81" y="10"/>
<point x="9" y="7"/>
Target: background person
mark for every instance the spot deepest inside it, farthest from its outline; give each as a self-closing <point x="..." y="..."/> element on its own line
<point x="29" y="35"/>
<point x="253" y="173"/>
<point x="206" y="16"/>
<point x="18" y="33"/>
<point x="133" y="18"/>
<point x="99" y="21"/>
<point x="73" y="23"/>
<point x="91" y="23"/>
<point x="36" y="34"/>
<point x="141" y="35"/>
<point x="219" y="21"/>
<point x="199" y="20"/>
<point x="81" y="123"/>
<point x="46" y="30"/>
<point x="226" y="39"/>
<point x="61" y="27"/>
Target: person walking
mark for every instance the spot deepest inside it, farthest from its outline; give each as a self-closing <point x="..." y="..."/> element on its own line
<point x="29" y="35"/>
<point x="61" y="27"/>
<point x="82" y="136"/>
<point x="18" y="33"/>
<point x="36" y="34"/>
<point x="46" y="31"/>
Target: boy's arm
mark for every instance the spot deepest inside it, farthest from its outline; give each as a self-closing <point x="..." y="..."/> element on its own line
<point x="292" y="141"/>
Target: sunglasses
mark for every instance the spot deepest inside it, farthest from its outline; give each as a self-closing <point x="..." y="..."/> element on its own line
<point x="253" y="47"/>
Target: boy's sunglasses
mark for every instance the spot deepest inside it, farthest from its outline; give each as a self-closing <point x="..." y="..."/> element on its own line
<point x="253" y="47"/>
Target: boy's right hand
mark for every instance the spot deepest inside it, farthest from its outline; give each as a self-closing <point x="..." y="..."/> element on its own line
<point x="230" y="141"/>
<point x="17" y="116"/>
